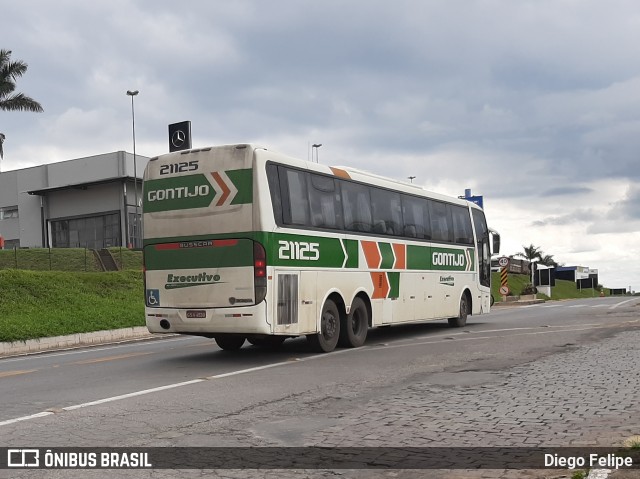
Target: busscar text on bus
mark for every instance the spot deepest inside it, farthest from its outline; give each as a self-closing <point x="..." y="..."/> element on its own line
<point x="245" y="244"/>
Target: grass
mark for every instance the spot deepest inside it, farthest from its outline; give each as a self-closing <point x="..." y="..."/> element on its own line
<point x="633" y="442"/>
<point x="126" y="258"/>
<point x="35" y="304"/>
<point x="562" y="289"/>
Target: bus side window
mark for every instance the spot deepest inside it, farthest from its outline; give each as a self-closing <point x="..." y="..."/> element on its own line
<point x="274" y="188"/>
<point x="356" y="205"/>
<point x="416" y="217"/>
<point x="462" y="232"/>
<point x="440" y="224"/>
<point x="297" y="211"/>
<point x="387" y="213"/>
<point x="324" y="203"/>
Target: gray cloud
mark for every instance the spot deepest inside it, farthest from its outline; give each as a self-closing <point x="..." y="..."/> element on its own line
<point x="530" y="104"/>
<point x="577" y="216"/>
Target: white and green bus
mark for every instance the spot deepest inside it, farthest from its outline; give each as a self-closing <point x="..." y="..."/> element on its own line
<point x="241" y="243"/>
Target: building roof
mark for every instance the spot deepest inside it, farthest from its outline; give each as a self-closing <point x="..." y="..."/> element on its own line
<point x="79" y="186"/>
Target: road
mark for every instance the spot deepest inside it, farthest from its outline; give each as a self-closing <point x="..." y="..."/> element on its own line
<point x="555" y="374"/>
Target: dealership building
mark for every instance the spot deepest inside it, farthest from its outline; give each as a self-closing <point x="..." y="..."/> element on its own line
<point x="92" y="202"/>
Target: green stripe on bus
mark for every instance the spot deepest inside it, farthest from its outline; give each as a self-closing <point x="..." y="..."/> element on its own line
<point x="394" y="284"/>
<point x="351" y="247"/>
<point x="177" y="193"/>
<point x="240" y="254"/>
<point x="387" y="256"/>
<point x="307" y="251"/>
<point x="418" y="257"/>
<point x="243" y="181"/>
<point x="439" y="259"/>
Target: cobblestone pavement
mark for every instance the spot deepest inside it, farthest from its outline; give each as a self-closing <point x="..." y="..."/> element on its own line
<point x="582" y="396"/>
<point x="587" y="396"/>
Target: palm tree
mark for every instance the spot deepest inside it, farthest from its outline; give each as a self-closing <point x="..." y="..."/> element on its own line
<point x="530" y="252"/>
<point x="10" y="101"/>
<point x="548" y="260"/>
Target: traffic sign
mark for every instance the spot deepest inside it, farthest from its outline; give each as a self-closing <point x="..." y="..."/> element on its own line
<point x="503" y="261"/>
<point x="504" y="290"/>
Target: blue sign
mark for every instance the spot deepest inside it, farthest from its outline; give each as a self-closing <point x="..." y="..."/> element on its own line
<point x="153" y="297"/>
<point x="475" y="199"/>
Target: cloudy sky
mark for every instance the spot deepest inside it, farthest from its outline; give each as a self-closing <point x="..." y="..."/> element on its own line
<point x="533" y="104"/>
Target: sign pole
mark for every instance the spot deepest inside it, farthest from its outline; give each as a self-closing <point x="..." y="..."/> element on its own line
<point x="503" y="262"/>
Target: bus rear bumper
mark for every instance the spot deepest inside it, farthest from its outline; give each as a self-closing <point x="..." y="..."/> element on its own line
<point x="246" y="319"/>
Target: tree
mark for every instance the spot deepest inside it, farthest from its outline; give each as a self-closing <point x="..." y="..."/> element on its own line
<point x="530" y="252"/>
<point x="9" y="99"/>
<point x="548" y="260"/>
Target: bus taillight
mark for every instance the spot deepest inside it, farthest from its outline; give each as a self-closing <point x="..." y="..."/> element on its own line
<point x="259" y="272"/>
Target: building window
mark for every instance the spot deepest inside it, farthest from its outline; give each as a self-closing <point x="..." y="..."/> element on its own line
<point x="8" y="212"/>
<point x="93" y="232"/>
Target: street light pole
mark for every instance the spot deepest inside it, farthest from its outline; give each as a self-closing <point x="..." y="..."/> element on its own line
<point x="316" y="146"/>
<point x="135" y="169"/>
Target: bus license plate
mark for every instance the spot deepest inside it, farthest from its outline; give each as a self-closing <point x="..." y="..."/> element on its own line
<point x="196" y="314"/>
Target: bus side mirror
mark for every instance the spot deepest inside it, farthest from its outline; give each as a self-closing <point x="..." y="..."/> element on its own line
<point x="496" y="242"/>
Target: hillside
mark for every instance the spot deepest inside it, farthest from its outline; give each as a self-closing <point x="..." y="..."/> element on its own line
<point x="36" y="304"/>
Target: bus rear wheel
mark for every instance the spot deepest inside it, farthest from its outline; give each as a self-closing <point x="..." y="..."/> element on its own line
<point x="461" y="320"/>
<point x="230" y="342"/>
<point x="353" y="331"/>
<point x="327" y="339"/>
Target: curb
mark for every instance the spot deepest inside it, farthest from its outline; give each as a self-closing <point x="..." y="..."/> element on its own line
<point x="519" y="303"/>
<point x="30" y="346"/>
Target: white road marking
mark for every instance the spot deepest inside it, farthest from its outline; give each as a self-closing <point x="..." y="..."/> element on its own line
<point x="171" y="386"/>
<point x="623" y="302"/>
<point x="26" y="418"/>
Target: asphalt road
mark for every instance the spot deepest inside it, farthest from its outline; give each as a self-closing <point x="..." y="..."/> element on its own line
<point x="559" y="374"/>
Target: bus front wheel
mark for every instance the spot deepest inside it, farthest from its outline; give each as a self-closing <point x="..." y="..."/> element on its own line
<point x="327" y="339"/>
<point x="230" y="342"/>
<point x="353" y="332"/>
<point x="461" y="320"/>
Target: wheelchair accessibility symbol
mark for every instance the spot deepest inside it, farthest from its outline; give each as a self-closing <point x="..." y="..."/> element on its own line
<point x="153" y="297"/>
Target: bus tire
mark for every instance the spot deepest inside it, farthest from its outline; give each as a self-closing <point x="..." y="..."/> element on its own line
<point x="230" y="342"/>
<point x="353" y="331"/>
<point x="461" y="320"/>
<point x="327" y="339"/>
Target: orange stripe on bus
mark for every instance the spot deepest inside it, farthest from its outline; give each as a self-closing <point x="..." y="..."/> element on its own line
<point x="340" y="173"/>
<point x="224" y="242"/>
<point x="380" y="285"/>
<point x="225" y="189"/>
<point x="372" y="254"/>
<point x="400" y="251"/>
